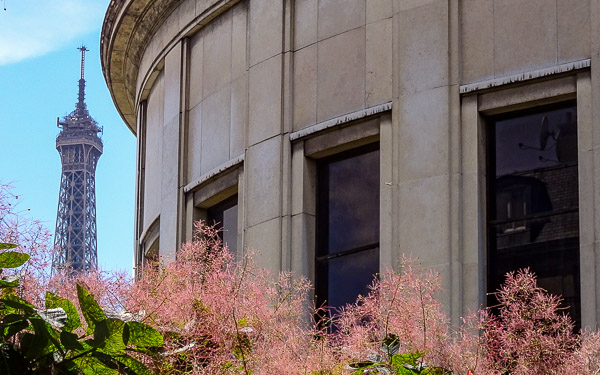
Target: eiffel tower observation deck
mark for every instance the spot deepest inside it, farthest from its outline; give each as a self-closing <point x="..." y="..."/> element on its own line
<point x="80" y="147"/>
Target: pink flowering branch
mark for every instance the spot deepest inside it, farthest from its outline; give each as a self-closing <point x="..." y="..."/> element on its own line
<point x="219" y="316"/>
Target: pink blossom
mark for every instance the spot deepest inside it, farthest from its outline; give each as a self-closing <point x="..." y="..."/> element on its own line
<point x="222" y="316"/>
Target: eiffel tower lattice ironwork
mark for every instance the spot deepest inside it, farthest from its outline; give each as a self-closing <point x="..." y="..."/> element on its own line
<point x="80" y="147"/>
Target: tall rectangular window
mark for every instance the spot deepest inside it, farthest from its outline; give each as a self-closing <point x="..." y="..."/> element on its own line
<point x="224" y="216"/>
<point x="533" y="201"/>
<point x="347" y="253"/>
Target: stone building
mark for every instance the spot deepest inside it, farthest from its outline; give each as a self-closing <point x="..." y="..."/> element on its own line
<point x="336" y="135"/>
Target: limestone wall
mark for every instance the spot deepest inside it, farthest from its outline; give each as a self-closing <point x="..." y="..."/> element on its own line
<point x="501" y="38"/>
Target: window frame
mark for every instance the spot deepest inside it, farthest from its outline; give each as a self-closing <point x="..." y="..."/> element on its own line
<point x="492" y="221"/>
<point x="148" y="246"/>
<point x="212" y="189"/>
<point x="330" y="137"/>
<point x="225" y="204"/>
<point x="510" y="94"/>
<point x="322" y="233"/>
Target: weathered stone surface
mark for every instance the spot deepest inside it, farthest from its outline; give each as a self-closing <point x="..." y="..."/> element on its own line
<point x="264" y="102"/>
<point x="524" y="35"/>
<point x="341" y="74"/>
<point x="338" y="16"/>
<point x="216" y="110"/>
<point x="263" y="176"/>
<point x="305" y="87"/>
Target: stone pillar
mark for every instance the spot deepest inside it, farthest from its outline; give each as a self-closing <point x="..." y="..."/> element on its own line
<point x="426" y="127"/>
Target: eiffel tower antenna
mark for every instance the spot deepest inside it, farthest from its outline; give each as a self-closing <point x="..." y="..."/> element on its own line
<point x="81" y="94"/>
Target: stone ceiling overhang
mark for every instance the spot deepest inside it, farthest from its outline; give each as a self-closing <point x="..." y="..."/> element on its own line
<point x="127" y="29"/>
<point x="130" y="27"/>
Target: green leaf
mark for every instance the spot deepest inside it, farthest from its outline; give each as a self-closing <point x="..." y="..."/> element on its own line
<point x="153" y="351"/>
<point x="92" y="312"/>
<point x="133" y="365"/>
<point x="67" y="368"/>
<point x="12" y="259"/>
<point x="17" y="303"/>
<point x="140" y="334"/>
<point x="70" y="341"/>
<point x="73" y="320"/>
<point x="50" y="335"/>
<point x="92" y="366"/>
<point x="100" y="333"/>
<point x="406" y="359"/>
<point x="15" y="328"/>
<point x="406" y="371"/>
<point x="8" y="284"/>
<point x="12" y="318"/>
<point x="4" y="246"/>
<point x="109" y="336"/>
<point x="126" y="335"/>
<point x="244" y="346"/>
<point x="34" y="344"/>
<point x="13" y="324"/>
<point x="123" y="363"/>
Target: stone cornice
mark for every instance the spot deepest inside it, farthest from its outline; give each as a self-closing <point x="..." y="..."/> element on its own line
<point x="525" y="76"/>
<point x="126" y="31"/>
<point x="340" y="120"/>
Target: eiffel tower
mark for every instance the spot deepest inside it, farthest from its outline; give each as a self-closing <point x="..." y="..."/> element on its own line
<point x="80" y="147"/>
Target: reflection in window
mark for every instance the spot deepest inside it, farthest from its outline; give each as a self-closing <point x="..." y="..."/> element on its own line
<point x="533" y="207"/>
<point x="225" y="216"/>
<point x="347" y="255"/>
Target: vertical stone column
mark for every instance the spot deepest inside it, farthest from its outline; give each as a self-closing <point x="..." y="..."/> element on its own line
<point x="303" y="205"/>
<point x="170" y="205"/>
<point x="472" y="219"/>
<point x="426" y="125"/>
<point x="185" y="222"/>
<point x="264" y="161"/>
<point x="139" y="185"/>
<point x="590" y="242"/>
<point x="587" y="188"/>
<point x="287" y="94"/>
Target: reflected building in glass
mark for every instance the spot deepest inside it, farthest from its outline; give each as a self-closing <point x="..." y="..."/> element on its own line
<point x="533" y="222"/>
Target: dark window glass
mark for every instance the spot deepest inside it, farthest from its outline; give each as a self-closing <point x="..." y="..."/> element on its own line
<point x="225" y="216"/>
<point x="345" y="277"/>
<point x="151" y="257"/>
<point x="533" y="210"/>
<point x="347" y="225"/>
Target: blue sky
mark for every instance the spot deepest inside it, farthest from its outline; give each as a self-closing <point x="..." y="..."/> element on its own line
<point x="39" y="70"/>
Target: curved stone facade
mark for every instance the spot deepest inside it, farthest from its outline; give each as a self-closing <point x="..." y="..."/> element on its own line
<point x="241" y="107"/>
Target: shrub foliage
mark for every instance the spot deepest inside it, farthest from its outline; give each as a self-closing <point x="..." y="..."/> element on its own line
<point x="206" y="313"/>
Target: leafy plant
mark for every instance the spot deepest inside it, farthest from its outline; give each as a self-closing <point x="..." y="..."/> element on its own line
<point x="396" y="363"/>
<point x="54" y="341"/>
<point x="222" y="316"/>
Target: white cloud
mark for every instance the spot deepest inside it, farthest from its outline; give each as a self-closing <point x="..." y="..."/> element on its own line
<point x="30" y="28"/>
